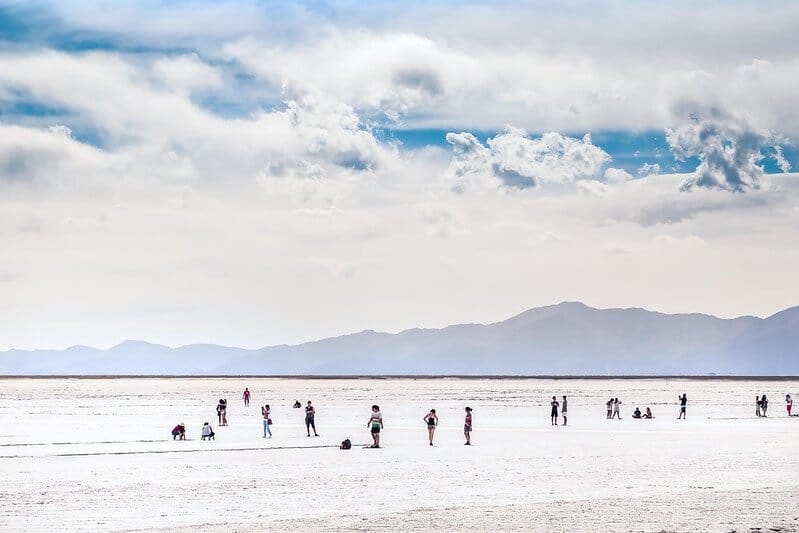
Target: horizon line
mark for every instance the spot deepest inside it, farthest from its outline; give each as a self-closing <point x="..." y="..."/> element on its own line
<point x="695" y="377"/>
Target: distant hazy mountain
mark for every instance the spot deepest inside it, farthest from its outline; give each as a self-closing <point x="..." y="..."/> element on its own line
<point x="564" y="339"/>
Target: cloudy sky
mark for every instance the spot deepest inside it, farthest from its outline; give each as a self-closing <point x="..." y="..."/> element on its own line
<point x="257" y="172"/>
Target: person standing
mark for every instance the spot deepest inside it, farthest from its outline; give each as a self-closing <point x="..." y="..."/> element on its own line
<point x="788" y="403"/>
<point x="310" y="416"/>
<point x="563" y="411"/>
<point x="758" y="405"/>
<point x="683" y="406"/>
<point x="432" y="421"/>
<point x="375" y="424"/>
<point x="616" y="407"/>
<point x="221" y="412"/>
<point x="267" y="414"/>
<point x="764" y="404"/>
<point x="467" y="426"/>
<point x="246" y="396"/>
<point x="609" y="405"/>
<point x="553" y="413"/>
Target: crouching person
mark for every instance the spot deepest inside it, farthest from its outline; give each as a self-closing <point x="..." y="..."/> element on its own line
<point x="179" y="432"/>
<point x="208" y="432"/>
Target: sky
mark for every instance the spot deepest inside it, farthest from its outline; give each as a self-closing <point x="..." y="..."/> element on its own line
<point x="253" y="173"/>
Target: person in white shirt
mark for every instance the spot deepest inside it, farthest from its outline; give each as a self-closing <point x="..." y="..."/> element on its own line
<point x="208" y="432"/>
<point x="375" y="424"/>
<point x="616" y="404"/>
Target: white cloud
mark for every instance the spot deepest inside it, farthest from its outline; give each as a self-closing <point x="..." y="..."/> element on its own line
<point x="646" y="169"/>
<point x="729" y="151"/>
<point x="140" y="191"/>
<point x="515" y="160"/>
<point x="186" y="74"/>
<point x="617" y="175"/>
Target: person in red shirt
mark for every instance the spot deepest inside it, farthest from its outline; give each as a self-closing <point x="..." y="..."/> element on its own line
<point x="179" y="432"/>
<point x="246" y="397"/>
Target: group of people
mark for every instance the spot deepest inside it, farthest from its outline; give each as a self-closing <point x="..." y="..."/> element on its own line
<point x="564" y="410"/>
<point x="761" y="405"/>
<point x="431" y="420"/>
<point x="221" y="411"/>
<point x="647" y="414"/>
<point x="613" y="410"/>
<point x="375" y="425"/>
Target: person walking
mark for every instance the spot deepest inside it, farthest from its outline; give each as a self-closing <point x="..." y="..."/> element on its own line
<point x="246" y="396"/>
<point x="375" y="424"/>
<point x="788" y="403"/>
<point x="553" y="413"/>
<point x="432" y="421"/>
<point x="310" y="416"/>
<point x="683" y="406"/>
<point x="563" y="410"/>
<point x="266" y="413"/>
<point x="467" y="426"/>
<point x="616" y="411"/>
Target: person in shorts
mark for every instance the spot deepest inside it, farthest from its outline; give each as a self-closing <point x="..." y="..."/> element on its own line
<point x="553" y="413"/>
<point x="375" y="424"/>
<point x="683" y="406"/>
<point x="431" y="419"/>
<point x="467" y="426"/>
<point x="616" y="409"/>
<point x="564" y="410"/>
<point x="310" y="415"/>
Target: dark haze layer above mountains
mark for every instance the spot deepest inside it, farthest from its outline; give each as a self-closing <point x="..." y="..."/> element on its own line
<point x="564" y="339"/>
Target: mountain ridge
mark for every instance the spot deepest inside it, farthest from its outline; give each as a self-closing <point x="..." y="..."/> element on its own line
<point x="569" y="338"/>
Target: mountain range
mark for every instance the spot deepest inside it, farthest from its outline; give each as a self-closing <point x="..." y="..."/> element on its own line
<point x="565" y="339"/>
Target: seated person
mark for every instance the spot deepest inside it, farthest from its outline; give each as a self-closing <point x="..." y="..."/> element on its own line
<point x="179" y="432"/>
<point x="207" y="432"/>
<point x="297" y="404"/>
<point x="648" y="413"/>
<point x="637" y="413"/>
<point x="346" y="444"/>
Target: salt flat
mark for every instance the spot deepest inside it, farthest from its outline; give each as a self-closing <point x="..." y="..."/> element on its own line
<point x="97" y="454"/>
